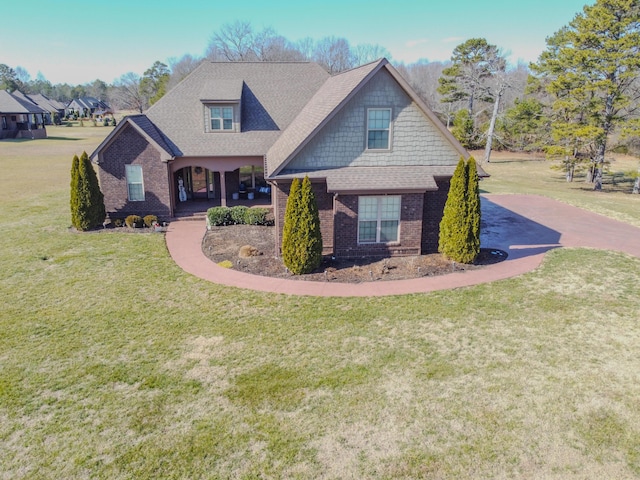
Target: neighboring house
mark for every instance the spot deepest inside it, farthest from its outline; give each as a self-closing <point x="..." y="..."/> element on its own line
<point x="54" y="110"/>
<point x="20" y="117"/>
<point x="88" y="106"/>
<point x="379" y="160"/>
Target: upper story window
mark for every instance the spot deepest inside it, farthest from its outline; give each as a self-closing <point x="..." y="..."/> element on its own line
<point x="379" y="129"/>
<point x="221" y="118"/>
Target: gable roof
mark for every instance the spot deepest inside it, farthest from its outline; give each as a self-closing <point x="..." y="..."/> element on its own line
<point x="17" y="103"/>
<point x="328" y="101"/>
<point x="144" y="127"/>
<point x="46" y="103"/>
<point x="89" y="103"/>
<point x="271" y="94"/>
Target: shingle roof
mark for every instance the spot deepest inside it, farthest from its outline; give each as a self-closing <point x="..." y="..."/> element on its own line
<point x="273" y="93"/>
<point x="379" y="179"/>
<point x="144" y="127"/>
<point x="10" y="103"/>
<point x="320" y="109"/>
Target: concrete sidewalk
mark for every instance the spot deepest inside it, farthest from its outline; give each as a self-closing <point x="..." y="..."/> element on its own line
<point x="525" y="226"/>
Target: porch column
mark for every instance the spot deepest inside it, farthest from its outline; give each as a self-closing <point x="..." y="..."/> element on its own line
<point x="253" y="177"/>
<point x="223" y="190"/>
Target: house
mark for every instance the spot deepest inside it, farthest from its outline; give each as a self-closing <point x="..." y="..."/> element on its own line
<point x="379" y="160"/>
<point x="87" y="107"/>
<point x="53" y="109"/>
<point x="20" y="117"/>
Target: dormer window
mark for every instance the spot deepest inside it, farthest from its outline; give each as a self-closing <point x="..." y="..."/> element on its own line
<point x="221" y="118"/>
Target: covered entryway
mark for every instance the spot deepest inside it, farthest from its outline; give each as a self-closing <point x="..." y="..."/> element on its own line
<point x="202" y="183"/>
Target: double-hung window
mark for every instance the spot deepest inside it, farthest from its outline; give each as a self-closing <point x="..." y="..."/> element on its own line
<point x="135" y="187"/>
<point x="221" y="118"/>
<point x="378" y="219"/>
<point x="378" y="129"/>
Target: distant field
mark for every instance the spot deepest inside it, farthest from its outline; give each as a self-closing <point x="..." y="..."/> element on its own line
<point x="115" y="364"/>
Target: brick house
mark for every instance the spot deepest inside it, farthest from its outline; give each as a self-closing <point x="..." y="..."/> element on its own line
<point x="379" y="160"/>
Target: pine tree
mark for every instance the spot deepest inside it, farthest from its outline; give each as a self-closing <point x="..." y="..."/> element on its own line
<point x="454" y="226"/>
<point x="301" y="237"/>
<point x="473" y="211"/>
<point x="87" y="201"/>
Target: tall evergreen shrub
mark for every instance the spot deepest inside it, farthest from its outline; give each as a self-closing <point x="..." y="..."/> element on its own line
<point x="86" y="199"/>
<point x="454" y="225"/>
<point x="301" y="237"/>
<point x="474" y="215"/>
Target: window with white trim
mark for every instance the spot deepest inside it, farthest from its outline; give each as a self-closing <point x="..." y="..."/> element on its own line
<point x="135" y="187"/>
<point x="378" y="129"/>
<point x="378" y="219"/>
<point x="221" y="118"/>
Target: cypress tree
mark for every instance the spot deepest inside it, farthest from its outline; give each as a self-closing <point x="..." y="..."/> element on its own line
<point x="289" y="229"/>
<point x="87" y="201"/>
<point x="310" y="227"/>
<point x="73" y="200"/>
<point x="454" y="225"/>
<point x="473" y="211"/>
<point x="301" y="238"/>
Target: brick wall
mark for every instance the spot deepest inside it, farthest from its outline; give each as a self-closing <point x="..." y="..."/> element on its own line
<point x="346" y="225"/>
<point x="324" y="200"/>
<point x="432" y="215"/>
<point x="129" y="147"/>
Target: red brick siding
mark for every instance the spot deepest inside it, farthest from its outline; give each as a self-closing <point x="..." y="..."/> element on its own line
<point x="432" y="215"/>
<point x="347" y="229"/>
<point x="129" y="147"/>
<point x="324" y="200"/>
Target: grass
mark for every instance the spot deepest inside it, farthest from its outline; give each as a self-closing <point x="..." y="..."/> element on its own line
<point x="116" y="364"/>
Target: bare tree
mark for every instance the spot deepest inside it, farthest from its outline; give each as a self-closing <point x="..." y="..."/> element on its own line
<point x="334" y="54"/>
<point x="234" y="41"/>
<point x="128" y="93"/>
<point x="366" y="53"/>
<point x="181" y="67"/>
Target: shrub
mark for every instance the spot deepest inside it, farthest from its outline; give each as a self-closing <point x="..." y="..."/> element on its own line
<point x="133" y="221"/>
<point x="237" y="214"/>
<point x="149" y="220"/>
<point x="256" y="216"/>
<point x="460" y="226"/>
<point x="473" y="210"/>
<point x="301" y="236"/>
<point x="219" y="216"/>
<point x="453" y="227"/>
<point x="118" y="222"/>
<point x="86" y="199"/>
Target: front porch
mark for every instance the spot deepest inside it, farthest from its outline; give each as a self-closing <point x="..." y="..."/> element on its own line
<point x="198" y="207"/>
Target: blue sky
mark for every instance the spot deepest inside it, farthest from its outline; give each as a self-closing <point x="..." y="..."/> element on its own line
<point x="75" y="42"/>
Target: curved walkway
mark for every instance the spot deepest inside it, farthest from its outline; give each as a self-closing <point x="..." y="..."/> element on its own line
<point x="525" y="226"/>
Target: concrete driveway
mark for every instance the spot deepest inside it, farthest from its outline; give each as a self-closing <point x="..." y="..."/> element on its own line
<point x="525" y="226"/>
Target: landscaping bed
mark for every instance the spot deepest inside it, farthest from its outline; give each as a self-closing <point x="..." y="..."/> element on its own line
<point x="222" y="245"/>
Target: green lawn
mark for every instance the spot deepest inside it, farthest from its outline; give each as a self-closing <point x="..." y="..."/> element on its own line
<point x="115" y="364"/>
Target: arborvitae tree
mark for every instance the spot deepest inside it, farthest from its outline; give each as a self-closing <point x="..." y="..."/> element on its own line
<point x="310" y="227"/>
<point x="453" y="227"/>
<point x="473" y="211"/>
<point x="290" y="227"/>
<point x="74" y="194"/>
<point x="87" y="201"/>
<point x="301" y="238"/>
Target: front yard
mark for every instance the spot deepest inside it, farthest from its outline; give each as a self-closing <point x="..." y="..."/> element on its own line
<point x="116" y="364"/>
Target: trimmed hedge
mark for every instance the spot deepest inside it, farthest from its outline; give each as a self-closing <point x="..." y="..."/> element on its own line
<point x="239" y="215"/>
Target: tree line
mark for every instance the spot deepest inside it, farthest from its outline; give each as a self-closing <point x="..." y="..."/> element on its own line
<point x="578" y="101"/>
